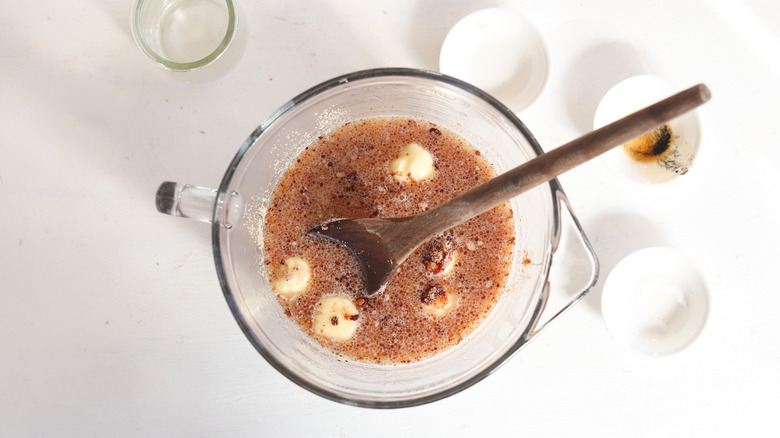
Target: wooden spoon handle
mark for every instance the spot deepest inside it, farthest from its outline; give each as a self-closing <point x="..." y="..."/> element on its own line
<point x="551" y="164"/>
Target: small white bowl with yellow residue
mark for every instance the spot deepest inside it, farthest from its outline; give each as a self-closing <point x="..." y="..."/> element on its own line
<point x="661" y="155"/>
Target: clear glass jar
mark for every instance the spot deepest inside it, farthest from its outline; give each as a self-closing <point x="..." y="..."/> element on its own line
<point x="194" y="40"/>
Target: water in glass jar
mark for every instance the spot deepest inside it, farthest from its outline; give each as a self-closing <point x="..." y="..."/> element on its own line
<point x="192" y="29"/>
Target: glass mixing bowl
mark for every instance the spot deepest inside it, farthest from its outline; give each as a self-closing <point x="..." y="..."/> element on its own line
<point x="236" y="211"/>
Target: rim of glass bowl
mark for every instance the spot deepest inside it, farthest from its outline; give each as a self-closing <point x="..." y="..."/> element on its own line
<point x="230" y="33"/>
<point x="223" y="194"/>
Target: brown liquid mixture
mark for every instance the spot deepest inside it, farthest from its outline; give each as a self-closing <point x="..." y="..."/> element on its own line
<point x="346" y="175"/>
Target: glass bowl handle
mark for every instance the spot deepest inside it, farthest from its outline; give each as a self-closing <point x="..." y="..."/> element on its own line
<point x="200" y="203"/>
<point x="558" y="302"/>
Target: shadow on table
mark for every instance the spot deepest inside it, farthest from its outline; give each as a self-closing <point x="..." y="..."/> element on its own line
<point x="614" y="236"/>
<point x="427" y="31"/>
<point x="598" y="69"/>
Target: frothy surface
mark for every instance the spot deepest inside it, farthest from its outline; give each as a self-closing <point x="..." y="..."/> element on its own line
<point x="346" y="175"/>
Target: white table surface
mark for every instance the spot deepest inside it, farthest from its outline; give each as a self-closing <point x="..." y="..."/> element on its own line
<point x="112" y="322"/>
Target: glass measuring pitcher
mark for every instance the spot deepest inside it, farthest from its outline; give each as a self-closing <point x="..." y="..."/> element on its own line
<point x="236" y="212"/>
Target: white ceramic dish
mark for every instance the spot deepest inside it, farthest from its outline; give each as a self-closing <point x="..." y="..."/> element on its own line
<point x="655" y="301"/>
<point x="633" y="94"/>
<point x="500" y="51"/>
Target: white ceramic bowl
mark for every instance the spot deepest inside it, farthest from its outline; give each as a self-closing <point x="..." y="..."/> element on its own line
<point x="655" y="301"/>
<point x="631" y="95"/>
<point x="499" y="51"/>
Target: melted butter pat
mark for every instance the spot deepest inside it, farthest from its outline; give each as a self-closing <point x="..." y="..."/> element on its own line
<point x="414" y="163"/>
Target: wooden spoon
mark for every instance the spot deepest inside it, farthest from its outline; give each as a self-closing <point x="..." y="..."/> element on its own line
<point x="381" y="245"/>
